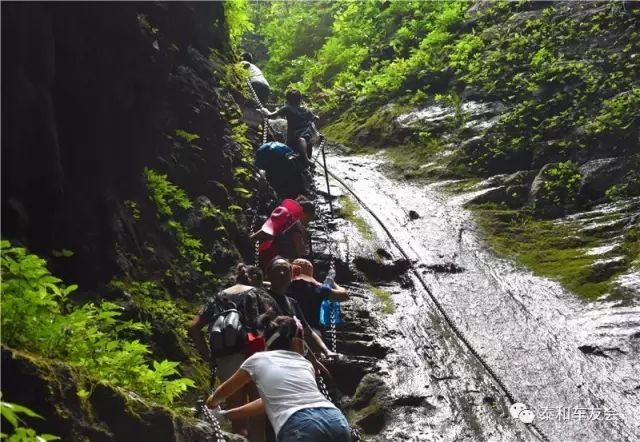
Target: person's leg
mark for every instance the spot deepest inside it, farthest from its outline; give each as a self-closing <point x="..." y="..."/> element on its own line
<point x="309" y="146"/>
<point x="301" y="148"/>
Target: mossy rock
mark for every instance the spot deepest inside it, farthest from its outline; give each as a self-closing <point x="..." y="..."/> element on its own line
<point x="369" y="405"/>
<point x="76" y="408"/>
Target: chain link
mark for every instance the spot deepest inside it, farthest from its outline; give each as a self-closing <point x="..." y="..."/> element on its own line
<point x="211" y="419"/>
<point x="260" y="106"/>
<point x="355" y="433"/>
<point x="333" y="252"/>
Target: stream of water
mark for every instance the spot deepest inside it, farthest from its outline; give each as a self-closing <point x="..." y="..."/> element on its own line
<point x="526" y="327"/>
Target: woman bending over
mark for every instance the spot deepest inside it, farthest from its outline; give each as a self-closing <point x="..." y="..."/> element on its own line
<point x="287" y="386"/>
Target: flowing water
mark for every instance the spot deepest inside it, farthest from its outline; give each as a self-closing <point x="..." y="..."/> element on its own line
<point x="527" y="328"/>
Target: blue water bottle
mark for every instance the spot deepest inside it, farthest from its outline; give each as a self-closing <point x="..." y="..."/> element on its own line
<point x="329" y="308"/>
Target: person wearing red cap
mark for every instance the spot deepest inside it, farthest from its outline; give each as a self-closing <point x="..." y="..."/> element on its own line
<point x="285" y="232"/>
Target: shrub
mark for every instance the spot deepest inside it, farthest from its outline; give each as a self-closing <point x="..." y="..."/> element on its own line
<point x="38" y="317"/>
<point x="560" y="184"/>
<point x="14" y="414"/>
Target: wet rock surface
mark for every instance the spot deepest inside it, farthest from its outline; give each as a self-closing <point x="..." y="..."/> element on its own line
<point x="436" y="389"/>
<point x="375" y="269"/>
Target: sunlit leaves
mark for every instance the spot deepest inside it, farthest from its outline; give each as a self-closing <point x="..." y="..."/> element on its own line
<point x="37" y="317"/>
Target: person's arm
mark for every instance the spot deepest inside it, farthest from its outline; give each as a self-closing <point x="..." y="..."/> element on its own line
<point x="333" y="292"/>
<point x="195" y="332"/>
<point x="238" y="380"/>
<point x="252" y="409"/>
<point x="265" y="112"/>
<point x="310" y="336"/>
<point x="318" y="366"/>
<point x="260" y="236"/>
<point x="315" y="341"/>
<point x="338" y="293"/>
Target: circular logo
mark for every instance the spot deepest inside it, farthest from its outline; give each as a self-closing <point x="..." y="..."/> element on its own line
<point x="522" y="412"/>
<point x="526" y="416"/>
<point x="516" y="409"/>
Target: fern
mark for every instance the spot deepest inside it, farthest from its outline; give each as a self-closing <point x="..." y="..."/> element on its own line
<point x="37" y="317"/>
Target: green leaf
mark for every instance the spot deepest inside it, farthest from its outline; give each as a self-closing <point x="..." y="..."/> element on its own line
<point x="189" y="137"/>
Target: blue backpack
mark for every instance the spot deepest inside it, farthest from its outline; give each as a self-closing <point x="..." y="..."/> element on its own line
<point x="268" y="152"/>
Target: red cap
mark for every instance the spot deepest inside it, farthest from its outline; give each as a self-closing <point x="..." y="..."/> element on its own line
<point x="294" y="208"/>
<point x="279" y="221"/>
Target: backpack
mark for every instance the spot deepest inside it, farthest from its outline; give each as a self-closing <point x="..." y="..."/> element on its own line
<point x="227" y="334"/>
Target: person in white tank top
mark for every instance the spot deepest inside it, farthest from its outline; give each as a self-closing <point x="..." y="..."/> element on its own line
<point x="287" y="386"/>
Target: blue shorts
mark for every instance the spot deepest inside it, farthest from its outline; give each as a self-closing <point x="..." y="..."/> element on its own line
<point x="315" y="425"/>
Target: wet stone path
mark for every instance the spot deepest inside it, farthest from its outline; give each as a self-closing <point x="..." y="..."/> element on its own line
<point x="527" y="328"/>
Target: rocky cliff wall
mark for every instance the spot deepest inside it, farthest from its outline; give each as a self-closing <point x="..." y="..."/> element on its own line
<point x="92" y="95"/>
<point x="126" y="165"/>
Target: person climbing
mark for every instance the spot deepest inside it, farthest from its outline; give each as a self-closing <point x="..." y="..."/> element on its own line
<point x="279" y="274"/>
<point x="248" y="298"/>
<point x="299" y="124"/>
<point x="309" y="293"/>
<point x="284" y="169"/>
<point x="287" y="386"/>
<point x="256" y="78"/>
<point x="285" y="231"/>
<point x="296" y="241"/>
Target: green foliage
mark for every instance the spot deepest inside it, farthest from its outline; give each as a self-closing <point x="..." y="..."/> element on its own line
<point x="384" y="297"/>
<point x="169" y="198"/>
<point x="560" y="184"/>
<point x="15" y="415"/>
<point x="348" y="50"/>
<point x="349" y="210"/>
<point x="237" y="18"/>
<point x="562" y="83"/>
<point x="239" y="135"/>
<point x="133" y="208"/>
<point x="188" y="137"/>
<point x="617" y="113"/>
<point x="549" y="248"/>
<point x="630" y="185"/>
<point x="38" y="317"/>
<point x="164" y="193"/>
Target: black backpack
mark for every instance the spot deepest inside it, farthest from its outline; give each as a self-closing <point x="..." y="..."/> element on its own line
<point x="227" y="334"/>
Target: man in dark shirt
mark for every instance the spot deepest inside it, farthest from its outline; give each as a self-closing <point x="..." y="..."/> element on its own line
<point x="299" y="123"/>
<point x="279" y="273"/>
<point x="310" y="293"/>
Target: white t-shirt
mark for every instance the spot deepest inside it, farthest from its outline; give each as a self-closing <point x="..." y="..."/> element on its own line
<point x="286" y="383"/>
<point x="255" y="74"/>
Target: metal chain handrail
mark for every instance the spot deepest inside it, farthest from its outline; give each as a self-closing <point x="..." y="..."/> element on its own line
<point x="355" y="433"/>
<point x="260" y="106"/>
<point x="211" y="419"/>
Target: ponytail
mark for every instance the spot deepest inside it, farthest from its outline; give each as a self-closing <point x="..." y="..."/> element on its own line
<point x="280" y="332"/>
